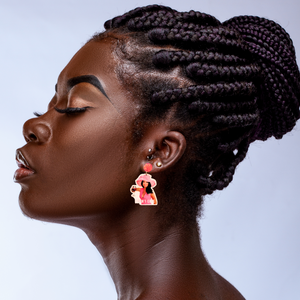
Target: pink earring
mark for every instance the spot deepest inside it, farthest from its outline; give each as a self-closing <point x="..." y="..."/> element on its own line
<point x="142" y="191"/>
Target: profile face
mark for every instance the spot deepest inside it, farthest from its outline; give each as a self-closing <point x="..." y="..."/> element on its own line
<point x="78" y="158"/>
<point x="145" y="184"/>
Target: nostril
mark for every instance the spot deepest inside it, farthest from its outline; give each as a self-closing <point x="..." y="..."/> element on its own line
<point x="36" y="131"/>
<point x="32" y="137"/>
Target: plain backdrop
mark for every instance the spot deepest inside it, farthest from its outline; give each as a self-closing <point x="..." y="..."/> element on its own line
<point x="250" y="231"/>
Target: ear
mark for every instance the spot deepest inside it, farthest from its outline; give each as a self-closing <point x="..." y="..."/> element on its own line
<point x="167" y="149"/>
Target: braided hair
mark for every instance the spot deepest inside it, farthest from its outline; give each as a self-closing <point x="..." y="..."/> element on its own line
<point x="226" y="84"/>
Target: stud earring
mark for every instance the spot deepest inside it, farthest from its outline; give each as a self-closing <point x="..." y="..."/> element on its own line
<point x="159" y="164"/>
<point x="142" y="191"/>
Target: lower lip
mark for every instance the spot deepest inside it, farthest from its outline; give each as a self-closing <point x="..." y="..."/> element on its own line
<point x="22" y="173"/>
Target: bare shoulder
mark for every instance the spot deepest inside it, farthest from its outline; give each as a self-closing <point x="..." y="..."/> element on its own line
<point x="228" y="291"/>
<point x="217" y="289"/>
<point x="173" y="295"/>
<point x="225" y="291"/>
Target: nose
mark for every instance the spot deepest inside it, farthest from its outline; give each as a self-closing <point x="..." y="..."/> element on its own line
<point x="37" y="131"/>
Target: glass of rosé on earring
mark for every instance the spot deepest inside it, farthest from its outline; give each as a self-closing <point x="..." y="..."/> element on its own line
<point x="142" y="191"/>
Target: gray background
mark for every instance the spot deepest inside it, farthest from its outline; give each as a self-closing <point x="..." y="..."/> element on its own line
<point x="250" y="231"/>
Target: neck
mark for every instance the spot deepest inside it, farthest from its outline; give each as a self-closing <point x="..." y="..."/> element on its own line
<point x="143" y="259"/>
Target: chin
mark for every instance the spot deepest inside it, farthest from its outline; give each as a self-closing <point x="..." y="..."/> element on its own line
<point x="34" y="207"/>
<point x="30" y="209"/>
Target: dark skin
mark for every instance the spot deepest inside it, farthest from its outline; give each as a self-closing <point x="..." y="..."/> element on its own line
<point x="84" y="165"/>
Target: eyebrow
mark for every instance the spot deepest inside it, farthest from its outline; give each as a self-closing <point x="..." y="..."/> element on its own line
<point x="93" y="80"/>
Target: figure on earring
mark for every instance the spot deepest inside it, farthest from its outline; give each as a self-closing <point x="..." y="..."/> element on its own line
<point x="143" y="192"/>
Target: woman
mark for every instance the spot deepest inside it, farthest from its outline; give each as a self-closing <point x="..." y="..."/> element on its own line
<point x="180" y="91"/>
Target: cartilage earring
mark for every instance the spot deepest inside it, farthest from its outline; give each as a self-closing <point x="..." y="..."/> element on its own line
<point x="142" y="191"/>
<point x="150" y="156"/>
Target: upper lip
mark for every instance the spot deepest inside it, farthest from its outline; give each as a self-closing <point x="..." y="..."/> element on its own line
<point x="21" y="160"/>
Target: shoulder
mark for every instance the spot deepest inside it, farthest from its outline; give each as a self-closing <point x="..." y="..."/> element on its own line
<point x="227" y="290"/>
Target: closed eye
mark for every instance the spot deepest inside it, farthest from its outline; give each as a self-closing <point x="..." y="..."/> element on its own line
<point x="72" y="110"/>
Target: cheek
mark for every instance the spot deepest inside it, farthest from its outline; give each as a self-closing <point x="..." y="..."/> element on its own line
<point x="83" y="171"/>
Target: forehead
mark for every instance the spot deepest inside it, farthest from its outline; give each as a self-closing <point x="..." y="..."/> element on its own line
<point x="96" y="58"/>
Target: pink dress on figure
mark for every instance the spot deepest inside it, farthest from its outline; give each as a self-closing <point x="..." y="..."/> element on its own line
<point x="146" y="199"/>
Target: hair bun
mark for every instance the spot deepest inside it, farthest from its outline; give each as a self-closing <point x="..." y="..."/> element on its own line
<point x="273" y="50"/>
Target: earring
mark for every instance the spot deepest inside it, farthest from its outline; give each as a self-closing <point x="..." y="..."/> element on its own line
<point x="150" y="156"/>
<point x="142" y="191"/>
<point x="159" y="164"/>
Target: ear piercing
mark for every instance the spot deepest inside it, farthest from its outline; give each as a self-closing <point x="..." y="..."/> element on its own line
<point x="150" y="156"/>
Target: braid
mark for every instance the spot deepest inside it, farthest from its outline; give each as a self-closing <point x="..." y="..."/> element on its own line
<point x="202" y="38"/>
<point x="237" y="120"/>
<point x="275" y="52"/>
<point x="168" y="58"/>
<point x="206" y="107"/>
<point x="207" y="92"/>
<point x="226" y="173"/>
<point x="143" y="18"/>
<point x="245" y="23"/>
<point x="231" y="146"/>
<point x="241" y="82"/>
<point x="139" y="11"/>
<point x="199" y="71"/>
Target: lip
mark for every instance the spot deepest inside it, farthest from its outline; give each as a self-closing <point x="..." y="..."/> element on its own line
<point x="24" y="169"/>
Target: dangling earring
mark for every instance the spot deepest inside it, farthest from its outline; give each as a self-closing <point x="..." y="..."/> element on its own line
<point x="142" y="191"/>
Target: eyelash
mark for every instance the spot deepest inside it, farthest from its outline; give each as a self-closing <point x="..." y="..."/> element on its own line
<point x="72" y="110"/>
<point x="67" y="111"/>
<point x="37" y="114"/>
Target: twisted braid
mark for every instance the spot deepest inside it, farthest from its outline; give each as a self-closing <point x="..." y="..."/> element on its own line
<point x="139" y="11"/>
<point x="207" y="92"/>
<point x="198" y="71"/>
<point x="245" y="24"/>
<point x="220" y="178"/>
<point x="169" y="58"/>
<point x="243" y="82"/>
<point x="237" y="120"/>
<point x="276" y="54"/>
<point x="149" y="16"/>
<point x="202" y="37"/>
<point x="206" y="107"/>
